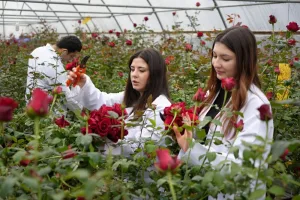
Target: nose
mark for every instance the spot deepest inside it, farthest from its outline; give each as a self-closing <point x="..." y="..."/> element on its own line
<point x="134" y="73"/>
<point x="216" y="62"/>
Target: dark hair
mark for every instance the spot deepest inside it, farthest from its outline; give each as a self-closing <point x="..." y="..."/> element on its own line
<point x="157" y="83"/>
<point x="242" y="42"/>
<point x="71" y="43"/>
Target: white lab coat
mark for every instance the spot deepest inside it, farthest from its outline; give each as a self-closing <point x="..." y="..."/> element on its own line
<point x="253" y="126"/>
<point x="92" y="98"/>
<point x="49" y="70"/>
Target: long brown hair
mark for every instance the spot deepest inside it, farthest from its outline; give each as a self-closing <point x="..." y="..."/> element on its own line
<point x="242" y="42"/>
<point x="157" y="83"/>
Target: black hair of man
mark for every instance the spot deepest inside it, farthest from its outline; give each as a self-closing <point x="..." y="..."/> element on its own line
<point x="71" y="43"/>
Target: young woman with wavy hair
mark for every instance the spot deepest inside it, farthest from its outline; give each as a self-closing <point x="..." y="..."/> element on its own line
<point x="147" y="78"/>
<point x="234" y="54"/>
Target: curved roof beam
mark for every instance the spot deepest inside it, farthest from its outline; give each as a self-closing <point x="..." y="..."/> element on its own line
<point x="220" y="14"/>
<point x="113" y="16"/>
<point x="48" y="6"/>
<point x="82" y="17"/>
<point x="161" y="26"/>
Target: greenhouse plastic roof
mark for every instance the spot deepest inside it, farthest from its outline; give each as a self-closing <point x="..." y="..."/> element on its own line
<point x="21" y="16"/>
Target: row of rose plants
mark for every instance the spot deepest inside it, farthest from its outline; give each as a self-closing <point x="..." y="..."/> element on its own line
<point x="46" y="155"/>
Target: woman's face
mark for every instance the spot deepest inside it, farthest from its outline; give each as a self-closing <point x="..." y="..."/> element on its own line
<point x="224" y="61"/>
<point x="139" y="74"/>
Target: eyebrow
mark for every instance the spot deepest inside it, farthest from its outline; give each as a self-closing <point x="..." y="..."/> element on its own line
<point x="223" y="54"/>
<point x="139" y="67"/>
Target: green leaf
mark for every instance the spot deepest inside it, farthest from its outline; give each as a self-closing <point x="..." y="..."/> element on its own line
<point x="205" y="121"/>
<point x="81" y="174"/>
<point x="150" y="148"/>
<point x="217" y="122"/>
<point x="84" y="140"/>
<point x="200" y="133"/>
<point x="296" y="197"/>
<point x="276" y="190"/>
<point x="113" y="114"/>
<point x="19" y="156"/>
<point x="217" y="141"/>
<point x="94" y="156"/>
<point x="55" y="141"/>
<point x="211" y="156"/>
<point x="161" y="181"/>
<point x="153" y="122"/>
<point x="278" y="148"/>
<point x="207" y="179"/>
<point x="32" y="183"/>
<point x="58" y="195"/>
<point x="44" y="171"/>
<point x="257" y="194"/>
<point x="7" y="187"/>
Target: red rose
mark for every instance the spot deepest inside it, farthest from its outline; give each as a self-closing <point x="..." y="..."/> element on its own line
<point x="198" y="110"/>
<point x="79" y="21"/>
<point x="199" y="34"/>
<point x="103" y="127"/>
<point x="175" y="108"/>
<point x="292" y="42"/>
<point x="61" y="122"/>
<point x="188" y="47"/>
<point x="103" y="111"/>
<point x="173" y="13"/>
<point x="57" y="90"/>
<point x="265" y="112"/>
<point x="120" y="74"/>
<point x="80" y="198"/>
<point x="228" y="83"/>
<point x="118" y="34"/>
<point x="269" y="62"/>
<point x="39" y="104"/>
<point x="94" y="35"/>
<point x="296" y="59"/>
<point x="277" y="70"/>
<point x="72" y="64"/>
<point x="128" y="42"/>
<point x="293" y="27"/>
<point x="198" y="4"/>
<point x="111" y="44"/>
<point x="146" y="18"/>
<point x="202" y="43"/>
<point x="25" y="162"/>
<point x="166" y="161"/>
<point x="167" y="61"/>
<point x="83" y="130"/>
<point x="193" y="117"/>
<point x="110" y="31"/>
<point x="199" y="96"/>
<point x="70" y="153"/>
<point x="239" y="125"/>
<point x="284" y="154"/>
<point x="245" y="26"/>
<point x="134" y="24"/>
<point x="118" y="109"/>
<point x="272" y="19"/>
<point x="269" y="95"/>
<point x="7" y="106"/>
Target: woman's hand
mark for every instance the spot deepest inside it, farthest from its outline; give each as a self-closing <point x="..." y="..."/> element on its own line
<point x="73" y="76"/>
<point x="183" y="140"/>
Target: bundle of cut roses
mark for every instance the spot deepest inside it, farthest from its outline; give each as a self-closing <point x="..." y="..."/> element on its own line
<point x="108" y="121"/>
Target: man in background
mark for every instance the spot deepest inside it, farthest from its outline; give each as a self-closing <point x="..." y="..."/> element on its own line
<point x="46" y="69"/>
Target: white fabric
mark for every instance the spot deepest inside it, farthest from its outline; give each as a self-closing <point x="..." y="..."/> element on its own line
<point x="45" y="70"/>
<point x="92" y="98"/>
<point x="253" y="127"/>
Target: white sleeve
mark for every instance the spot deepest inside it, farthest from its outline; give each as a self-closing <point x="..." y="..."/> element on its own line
<point x="253" y="127"/>
<point x="92" y="98"/>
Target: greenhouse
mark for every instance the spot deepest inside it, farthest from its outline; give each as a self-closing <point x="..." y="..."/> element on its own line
<point x="148" y="99"/>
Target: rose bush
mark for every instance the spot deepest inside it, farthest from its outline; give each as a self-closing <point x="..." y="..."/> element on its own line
<point x="55" y="170"/>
